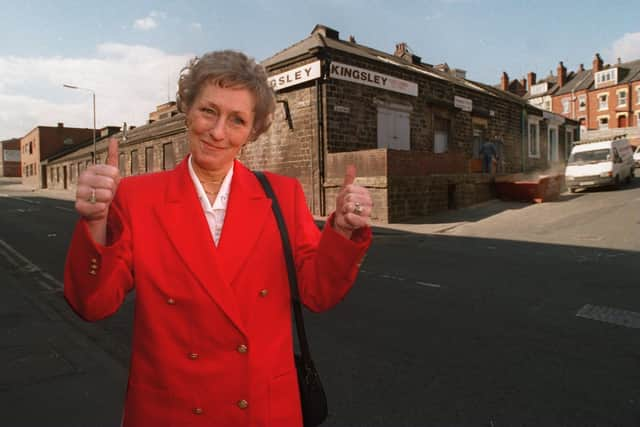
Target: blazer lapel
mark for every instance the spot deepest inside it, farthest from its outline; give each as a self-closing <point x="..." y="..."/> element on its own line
<point x="182" y="218"/>
<point x="247" y="211"/>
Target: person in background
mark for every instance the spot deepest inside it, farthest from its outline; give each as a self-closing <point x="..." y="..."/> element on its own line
<point x="212" y="337"/>
<point x="488" y="152"/>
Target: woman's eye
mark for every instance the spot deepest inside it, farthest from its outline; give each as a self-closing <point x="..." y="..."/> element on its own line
<point x="208" y="110"/>
<point x="237" y="121"/>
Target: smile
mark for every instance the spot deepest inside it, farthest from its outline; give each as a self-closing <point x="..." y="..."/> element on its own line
<point x="209" y="146"/>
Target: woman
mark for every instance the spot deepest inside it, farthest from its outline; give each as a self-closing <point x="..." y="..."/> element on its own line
<point x="212" y="342"/>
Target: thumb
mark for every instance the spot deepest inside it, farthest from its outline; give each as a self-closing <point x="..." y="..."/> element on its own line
<point x="112" y="156"/>
<point x="349" y="175"/>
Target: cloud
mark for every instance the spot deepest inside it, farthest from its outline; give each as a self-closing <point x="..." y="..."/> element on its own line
<point x="129" y="81"/>
<point x="627" y="47"/>
<point x="196" y="26"/>
<point x="145" y="24"/>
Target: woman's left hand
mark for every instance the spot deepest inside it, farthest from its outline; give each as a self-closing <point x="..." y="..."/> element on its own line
<point x="353" y="205"/>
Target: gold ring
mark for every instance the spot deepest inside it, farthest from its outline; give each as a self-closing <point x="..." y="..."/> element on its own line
<point x="92" y="197"/>
<point x="357" y="209"/>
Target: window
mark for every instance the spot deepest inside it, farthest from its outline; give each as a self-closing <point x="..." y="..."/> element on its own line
<point x="441" y="128"/>
<point x="638" y="119"/>
<point x="622" y="121"/>
<point x="547" y="105"/>
<point x="134" y="162"/>
<point x="148" y="159"/>
<point x="603" y="122"/>
<point x="534" y="140"/>
<point x="582" y="102"/>
<point x="393" y="129"/>
<point x="565" y="105"/>
<point x="637" y="94"/>
<point x="603" y="103"/>
<point x="605" y="77"/>
<point x="168" y="157"/>
<point x="58" y="174"/>
<point x="72" y="171"/>
<point x="30" y="147"/>
<point x="622" y="98"/>
<point x="121" y="162"/>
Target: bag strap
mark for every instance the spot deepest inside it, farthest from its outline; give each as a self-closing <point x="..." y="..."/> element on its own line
<point x="291" y="269"/>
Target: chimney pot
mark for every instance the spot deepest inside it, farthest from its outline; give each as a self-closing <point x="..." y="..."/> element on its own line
<point x="531" y="79"/>
<point x="325" y="31"/>
<point x="60" y="124"/>
<point x="504" y="81"/>
<point x="562" y="74"/>
<point x="597" y="63"/>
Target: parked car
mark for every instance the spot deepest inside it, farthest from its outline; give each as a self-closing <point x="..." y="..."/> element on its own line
<point x="599" y="163"/>
<point x="636" y="157"/>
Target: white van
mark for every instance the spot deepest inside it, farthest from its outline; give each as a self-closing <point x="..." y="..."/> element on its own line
<point x="599" y="163"/>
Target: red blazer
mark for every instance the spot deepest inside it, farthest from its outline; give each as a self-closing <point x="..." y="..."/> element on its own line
<point x="212" y="337"/>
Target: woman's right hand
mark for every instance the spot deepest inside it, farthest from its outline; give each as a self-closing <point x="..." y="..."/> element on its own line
<point x="101" y="181"/>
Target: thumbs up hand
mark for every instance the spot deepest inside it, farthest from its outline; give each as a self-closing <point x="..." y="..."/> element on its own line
<point x="353" y="205"/>
<point x="96" y="188"/>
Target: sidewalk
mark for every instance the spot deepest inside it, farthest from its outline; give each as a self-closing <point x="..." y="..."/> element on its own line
<point x="51" y="373"/>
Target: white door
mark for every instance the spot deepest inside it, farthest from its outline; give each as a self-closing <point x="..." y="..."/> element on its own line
<point x="393" y="129"/>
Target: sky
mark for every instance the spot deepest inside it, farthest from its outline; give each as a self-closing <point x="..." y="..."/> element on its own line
<point x="130" y="52"/>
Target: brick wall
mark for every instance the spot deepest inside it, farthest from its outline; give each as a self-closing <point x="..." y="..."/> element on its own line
<point x="357" y="128"/>
<point x="291" y="152"/>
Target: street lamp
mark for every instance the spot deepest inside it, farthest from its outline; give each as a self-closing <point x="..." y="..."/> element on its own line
<point x="93" y="94"/>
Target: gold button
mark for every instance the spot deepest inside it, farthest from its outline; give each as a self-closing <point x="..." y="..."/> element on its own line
<point x="198" y="411"/>
<point x="194" y="356"/>
<point x="92" y="272"/>
<point x="264" y="293"/>
<point x="93" y="260"/>
<point x="171" y="301"/>
<point x="243" y="404"/>
<point x="242" y="348"/>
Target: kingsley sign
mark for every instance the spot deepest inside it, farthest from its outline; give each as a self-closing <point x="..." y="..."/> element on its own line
<point x="295" y="76"/>
<point x="372" y="78"/>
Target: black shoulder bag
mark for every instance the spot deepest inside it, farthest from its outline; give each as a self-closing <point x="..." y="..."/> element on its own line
<point x="312" y="396"/>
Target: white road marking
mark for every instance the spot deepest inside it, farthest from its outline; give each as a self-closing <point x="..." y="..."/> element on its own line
<point x="45" y="285"/>
<point x="19" y="260"/>
<point x="32" y="202"/>
<point x="14" y="253"/>
<point x="52" y="279"/>
<point x="64" y="208"/>
<point x="630" y="319"/>
<point x="431" y="285"/>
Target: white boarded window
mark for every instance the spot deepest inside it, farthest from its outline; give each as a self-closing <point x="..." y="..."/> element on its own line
<point x="441" y="128"/>
<point x="394" y="129"/>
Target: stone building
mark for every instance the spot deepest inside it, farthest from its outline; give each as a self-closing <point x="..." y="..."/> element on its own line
<point x="413" y="130"/>
<point x="10" y="158"/>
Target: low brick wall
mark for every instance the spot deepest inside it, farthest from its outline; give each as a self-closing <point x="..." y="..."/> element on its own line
<point x="405" y="194"/>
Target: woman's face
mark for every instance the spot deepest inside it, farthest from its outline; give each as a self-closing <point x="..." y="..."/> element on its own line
<point x="220" y="122"/>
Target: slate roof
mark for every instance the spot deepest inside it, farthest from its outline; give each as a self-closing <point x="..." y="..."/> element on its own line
<point x="307" y="48"/>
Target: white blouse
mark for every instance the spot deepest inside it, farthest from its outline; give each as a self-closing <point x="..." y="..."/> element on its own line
<point x="215" y="214"/>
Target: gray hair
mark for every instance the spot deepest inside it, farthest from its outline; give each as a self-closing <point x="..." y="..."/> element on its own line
<point x="228" y="69"/>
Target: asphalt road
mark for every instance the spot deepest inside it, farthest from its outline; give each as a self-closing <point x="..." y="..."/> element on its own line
<point x="520" y="315"/>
